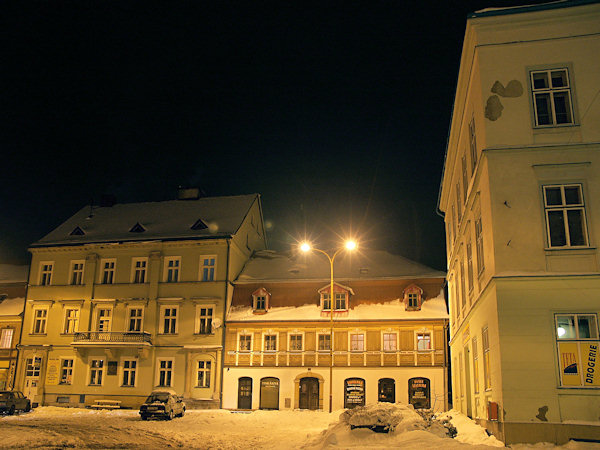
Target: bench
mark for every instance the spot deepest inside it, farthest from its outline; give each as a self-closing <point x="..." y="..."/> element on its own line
<point x="106" y="404"/>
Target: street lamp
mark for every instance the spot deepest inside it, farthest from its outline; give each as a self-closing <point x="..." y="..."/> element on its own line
<point x="348" y="245"/>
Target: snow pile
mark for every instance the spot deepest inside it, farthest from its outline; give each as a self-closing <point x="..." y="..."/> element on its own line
<point x="394" y="417"/>
<point x="468" y="431"/>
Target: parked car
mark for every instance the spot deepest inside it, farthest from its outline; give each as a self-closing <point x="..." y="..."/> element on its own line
<point x="164" y="404"/>
<point x="11" y="401"/>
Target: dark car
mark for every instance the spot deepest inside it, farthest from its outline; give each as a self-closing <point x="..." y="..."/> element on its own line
<point x="11" y="401"/>
<point x="163" y="404"/>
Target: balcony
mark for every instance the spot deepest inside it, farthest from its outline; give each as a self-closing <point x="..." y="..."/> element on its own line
<point x="109" y="339"/>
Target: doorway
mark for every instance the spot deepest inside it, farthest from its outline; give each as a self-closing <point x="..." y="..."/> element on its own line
<point x="387" y="390"/>
<point x="309" y="393"/>
<point x="269" y="393"/>
<point x="32" y="377"/>
<point x="245" y="393"/>
<point x="467" y="361"/>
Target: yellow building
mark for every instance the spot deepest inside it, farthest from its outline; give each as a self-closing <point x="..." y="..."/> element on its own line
<point x="13" y="285"/>
<point x="127" y="298"/>
<point x="521" y="199"/>
<point x="389" y="333"/>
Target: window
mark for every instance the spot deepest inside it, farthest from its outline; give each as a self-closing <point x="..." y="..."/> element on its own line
<point x="389" y="342"/>
<point x="71" y="320"/>
<point x="46" y="273"/>
<point x="203" y="378"/>
<point x="551" y="92"/>
<point x="261" y="303"/>
<point x="260" y="300"/>
<point x="326" y="300"/>
<point x="324" y="342"/>
<point x="460" y="375"/>
<point x="340" y="301"/>
<point x="6" y="337"/>
<point x="475" y="365"/>
<point x="108" y="271"/>
<point x="139" y="266"/>
<point x="245" y="342"/>
<point x="470" y="267"/>
<point x="464" y="177"/>
<point x="33" y="367"/>
<point x="96" y="372"/>
<point x="172" y="265"/>
<point x="103" y="321"/>
<point x="479" y="245"/>
<point x="129" y="372"/>
<point x="295" y="342"/>
<point x="473" y="145"/>
<point x="208" y="265"/>
<point x="165" y="372"/>
<point x="40" y="315"/>
<point x="565" y="216"/>
<point x="487" y="376"/>
<point x="463" y="296"/>
<point x="413" y="300"/>
<point x="76" y="272"/>
<point x="135" y="319"/>
<point x="423" y="342"/>
<point x="454" y="219"/>
<point x="270" y="342"/>
<point x="578" y="345"/>
<point x="458" y="204"/>
<point x="205" y="319"/>
<point x="66" y="371"/>
<point x="169" y="319"/>
<point x="357" y="342"/>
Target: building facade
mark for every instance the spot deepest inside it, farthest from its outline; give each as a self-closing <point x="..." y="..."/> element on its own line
<point x="521" y="198"/>
<point x="389" y="333"/>
<point x="128" y="298"/>
<point x="13" y="286"/>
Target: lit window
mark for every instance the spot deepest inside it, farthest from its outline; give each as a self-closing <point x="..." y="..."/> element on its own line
<point x="104" y="319"/>
<point x="71" y="320"/>
<point x="165" y="372"/>
<point x="203" y="374"/>
<point x="578" y="345"/>
<point x="6" y="337"/>
<point x="172" y="265"/>
<point x="66" y="371"/>
<point x="108" y="271"/>
<point x="245" y="342"/>
<point x="423" y="341"/>
<point x="295" y="342"/>
<point x="270" y="342"/>
<point x="96" y="372"/>
<point x="552" y="97"/>
<point x="389" y="342"/>
<point x="33" y="367"/>
<point x="324" y="342"/>
<point x="208" y="267"/>
<point x="357" y="342"/>
<point x="205" y="319"/>
<point x="135" y="319"/>
<point x="46" y="273"/>
<point x="40" y="316"/>
<point x="129" y="372"/>
<point x="77" y="272"/>
<point x="565" y="216"/>
<point x="139" y="269"/>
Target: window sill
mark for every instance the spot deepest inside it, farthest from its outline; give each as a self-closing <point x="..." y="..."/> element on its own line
<point x="570" y="249"/>
<point x="168" y="334"/>
<point x="550" y="127"/>
<point x="127" y="386"/>
<point x="37" y="334"/>
<point x="259" y="311"/>
<point x="204" y="334"/>
<point x="202" y="387"/>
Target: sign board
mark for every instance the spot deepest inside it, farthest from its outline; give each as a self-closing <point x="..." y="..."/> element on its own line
<point x="111" y="368"/>
<point x="53" y="372"/>
<point x="354" y="392"/>
<point x="579" y="363"/>
<point x="419" y="393"/>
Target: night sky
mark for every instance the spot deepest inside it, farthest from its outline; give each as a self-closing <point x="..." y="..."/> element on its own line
<point x="337" y="113"/>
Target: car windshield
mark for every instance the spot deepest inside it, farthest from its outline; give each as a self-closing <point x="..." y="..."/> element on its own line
<point x="158" y="397"/>
<point x="4" y="395"/>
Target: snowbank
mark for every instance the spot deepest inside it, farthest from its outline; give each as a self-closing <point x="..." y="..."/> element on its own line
<point x="468" y="431"/>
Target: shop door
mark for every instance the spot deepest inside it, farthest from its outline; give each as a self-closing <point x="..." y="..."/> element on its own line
<point x="309" y="393"/>
<point x="245" y="393"/>
<point x="387" y="390"/>
<point x="32" y="377"/>
<point x="354" y="392"/>
<point x="269" y="393"/>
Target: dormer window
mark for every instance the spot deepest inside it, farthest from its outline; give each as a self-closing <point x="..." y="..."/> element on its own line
<point x="77" y="232"/>
<point x="340" y="297"/>
<point x="260" y="301"/>
<point x="137" y="228"/>
<point x="413" y="297"/>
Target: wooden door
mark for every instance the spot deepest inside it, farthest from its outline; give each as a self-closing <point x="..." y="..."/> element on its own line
<point x="309" y="393"/>
<point x="245" y="393"/>
<point x="269" y="393"/>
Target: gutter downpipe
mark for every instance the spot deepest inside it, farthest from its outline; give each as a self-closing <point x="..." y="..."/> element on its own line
<point x="225" y="306"/>
<point x="18" y="346"/>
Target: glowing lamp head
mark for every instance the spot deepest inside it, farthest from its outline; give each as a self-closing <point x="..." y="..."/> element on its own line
<point x="350" y="245"/>
<point x="560" y="331"/>
<point x="305" y="247"/>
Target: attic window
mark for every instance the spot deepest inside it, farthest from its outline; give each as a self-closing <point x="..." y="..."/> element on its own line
<point x="413" y="298"/>
<point x="341" y="298"/>
<point x="199" y="225"/>
<point x="363" y="270"/>
<point x="77" y="232"/>
<point x="137" y="228"/>
<point x="260" y="301"/>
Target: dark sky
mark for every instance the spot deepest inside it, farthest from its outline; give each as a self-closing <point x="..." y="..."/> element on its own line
<point x="335" y="112"/>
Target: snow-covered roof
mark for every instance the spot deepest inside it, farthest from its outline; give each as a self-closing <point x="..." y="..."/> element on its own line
<point x="11" y="306"/>
<point x="10" y="273"/>
<point x="505" y="10"/>
<point x="268" y="265"/>
<point x="170" y="220"/>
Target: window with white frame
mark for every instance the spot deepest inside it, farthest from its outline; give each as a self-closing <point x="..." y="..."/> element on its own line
<point x="463" y="292"/>
<point x="139" y="268"/>
<point x="208" y="266"/>
<point x="172" y="265"/>
<point x="96" y="372"/>
<point x="464" y="176"/>
<point x="324" y="342"/>
<point x="165" y="372"/>
<point x="129" y="372"/>
<point x="565" y="215"/>
<point x="108" y="271"/>
<point x="66" y="371"/>
<point x="454" y="220"/>
<point x="40" y="316"/>
<point x="6" y="337"/>
<point x="423" y="341"/>
<point x="46" y="273"/>
<point x="479" y="245"/>
<point x="357" y="342"/>
<point x="76" y="272"/>
<point x="390" y="342"/>
<point x="134" y="320"/>
<point x="245" y="342"/>
<point x="169" y="319"/>
<point x="458" y="203"/>
<point x="552" y="102"/>
<point x="103" y="319"/>
<point x="487" y="374"/>
<point x="204" y="319"/>
<point x="341" y="301"/>
<point x="470" y="267"/>
<point x="295" y="342"/>
<point x="326" y="301"/>
<point x="577" y="343"/>
<point x="473" y="144"/>
<point x="270" y="342"/>
<point x="71" y="320"/>
<point x="33" y="366"/>
<point x="203" y="374"/>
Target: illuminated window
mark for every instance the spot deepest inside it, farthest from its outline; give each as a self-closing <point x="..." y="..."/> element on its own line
<point x="389" y="342"/>
<point x="71" y="320"/>
<point x="295" y="342"/>
<point x="324" y="342"/>
<point x="270" y="342"/>
<point x="245" y="344"/>
<point x="6" y="337"/>
<point x="423" y="341"/>
<point x="357" y="342"/>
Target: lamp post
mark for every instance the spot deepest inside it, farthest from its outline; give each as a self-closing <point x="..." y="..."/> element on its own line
<point x="306" y="247"/>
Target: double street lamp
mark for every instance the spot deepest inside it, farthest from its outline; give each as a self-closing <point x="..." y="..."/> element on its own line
<point x="348" y="245"/>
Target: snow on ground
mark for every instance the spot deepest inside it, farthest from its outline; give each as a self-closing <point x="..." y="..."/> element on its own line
<point x="53" y="427"/>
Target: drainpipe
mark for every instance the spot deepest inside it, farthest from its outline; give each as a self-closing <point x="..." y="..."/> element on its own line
<point x="223" y="332"/>
<point x="18" y="346"/>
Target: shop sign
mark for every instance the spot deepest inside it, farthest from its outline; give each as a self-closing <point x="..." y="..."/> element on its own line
<point x="419" y="393"/>
<point x="579" y="363"/>
<point x="52" y="372"/>
<point x="354" y="392"/>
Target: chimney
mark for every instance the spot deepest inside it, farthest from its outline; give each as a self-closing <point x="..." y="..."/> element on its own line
<point x="187" y="193"/>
